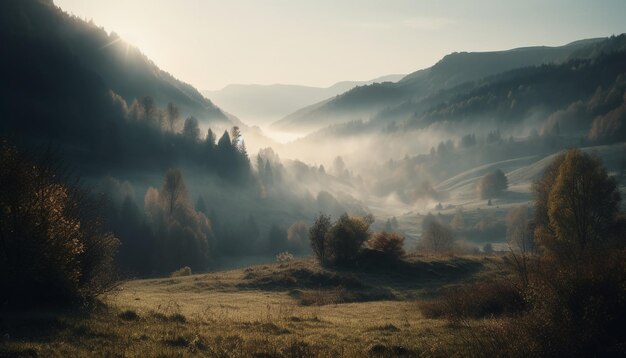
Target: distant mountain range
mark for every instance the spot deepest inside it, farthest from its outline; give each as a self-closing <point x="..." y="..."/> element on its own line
<point x="367" y="101"/>
<point x="262" y="104"/>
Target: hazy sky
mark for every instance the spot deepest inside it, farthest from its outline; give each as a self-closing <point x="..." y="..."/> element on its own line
<point x="211" y="43"/>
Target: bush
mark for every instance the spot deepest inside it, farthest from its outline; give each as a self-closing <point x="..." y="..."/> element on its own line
<point x="389" y="243"/>
<point x="284" y="257"/>
<point x="53" y="249"/>
<point x="183" y="271"/>
<point x="484" y="299"/>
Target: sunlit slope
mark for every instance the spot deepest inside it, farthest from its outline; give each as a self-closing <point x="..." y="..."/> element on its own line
<point x="520" y="172"/>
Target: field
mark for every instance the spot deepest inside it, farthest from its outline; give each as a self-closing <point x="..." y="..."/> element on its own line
<point x="294" y="309"/>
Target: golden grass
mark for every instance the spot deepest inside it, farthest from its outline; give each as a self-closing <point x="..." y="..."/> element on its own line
<point x="224" y="315"/>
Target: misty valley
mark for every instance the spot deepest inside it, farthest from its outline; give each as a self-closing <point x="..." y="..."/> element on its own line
<point x="469" y="208"/>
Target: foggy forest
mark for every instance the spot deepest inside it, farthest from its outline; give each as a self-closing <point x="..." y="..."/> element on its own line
<point x="469" y="207"/>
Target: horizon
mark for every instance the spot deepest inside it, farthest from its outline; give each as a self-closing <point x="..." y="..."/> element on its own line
<point x="305" y="43"/>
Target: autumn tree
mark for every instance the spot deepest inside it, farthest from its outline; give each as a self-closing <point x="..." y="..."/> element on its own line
<point x="53" y="247"/>
<point x="184" y="236"/>
<point x="581" y="208"/>
<point x="390" y="243"/>
<point x="344" y="240"/>
<point x="317" y="236"/>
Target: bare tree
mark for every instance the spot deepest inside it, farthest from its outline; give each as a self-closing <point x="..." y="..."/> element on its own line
<point x="437" y="238"/>
<point x="521" y="241"/>
<point x="174" y="191"/>
<point x="173" y="116"/>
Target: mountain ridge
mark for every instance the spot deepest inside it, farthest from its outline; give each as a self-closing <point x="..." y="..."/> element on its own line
<point x="363" y="102"/>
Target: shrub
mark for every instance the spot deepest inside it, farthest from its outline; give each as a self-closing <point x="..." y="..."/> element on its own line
<point x="284" y="257"/>
<point x="390" y="243"/>
<point x="479" y="300"/>
<point x="183" y="271"/>
<point x="53" y="249"/>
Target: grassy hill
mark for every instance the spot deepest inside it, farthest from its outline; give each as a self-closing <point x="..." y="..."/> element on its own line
<point x="294" y="309"/>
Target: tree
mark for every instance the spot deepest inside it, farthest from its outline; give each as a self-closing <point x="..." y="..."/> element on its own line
<point x="390" y="243"/>
<point x="172" y="116"/>
<point x="191" y="130"/>
<point x="150" y="110"/>
<point x="541" y="190"/>
<point x="224" y="144"/>
<point x="210" y="139"/>
<point x="174" y="191"/>
<point x="344" y="240"/>
<point x="183" y="235"/>
<point x="317" y="236"/>
<point x="243" y="150"/>
<point x="53" y="248"/>
<point x="521" y="240"/>
<point x="235" y="136"/>
<point x="492" y="184"/>
<point x="437" y="238"/>
<point x="582" y="207"/>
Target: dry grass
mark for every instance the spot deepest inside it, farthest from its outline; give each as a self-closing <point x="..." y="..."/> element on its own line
<point x="226" y="314"/>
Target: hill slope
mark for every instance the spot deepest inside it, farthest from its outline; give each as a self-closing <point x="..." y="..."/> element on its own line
<point x="262" y="104"/>
<point x="455" y="69"/>
<point x="35" y="30"/>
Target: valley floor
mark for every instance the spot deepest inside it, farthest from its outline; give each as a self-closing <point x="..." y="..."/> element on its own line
<point x="294" y="309"/>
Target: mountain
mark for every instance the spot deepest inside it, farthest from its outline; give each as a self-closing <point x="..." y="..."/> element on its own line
<point x="262" y="104"/>
<point x="364" y="102"/>
<point x="119" y="66"/>
<point x="70" y="85"/>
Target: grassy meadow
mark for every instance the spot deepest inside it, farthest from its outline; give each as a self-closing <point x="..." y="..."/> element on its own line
<point x="292" y="309"/>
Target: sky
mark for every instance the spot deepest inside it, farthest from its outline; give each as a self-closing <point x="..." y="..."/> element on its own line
<point x="213" y="43"/>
